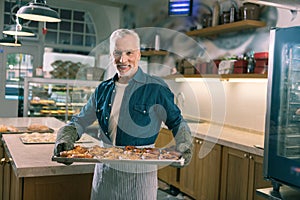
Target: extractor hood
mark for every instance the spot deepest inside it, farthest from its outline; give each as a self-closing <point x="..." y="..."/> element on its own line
<point x="286" y="4"/>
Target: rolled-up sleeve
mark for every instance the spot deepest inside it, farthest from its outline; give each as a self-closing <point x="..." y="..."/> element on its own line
<point x="86" y="117"/>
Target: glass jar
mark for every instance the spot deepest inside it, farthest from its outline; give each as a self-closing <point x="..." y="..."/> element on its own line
<point x="249" y="11"/>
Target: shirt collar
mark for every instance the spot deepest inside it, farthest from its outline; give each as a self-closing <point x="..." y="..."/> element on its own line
<point x="138" y="77"/>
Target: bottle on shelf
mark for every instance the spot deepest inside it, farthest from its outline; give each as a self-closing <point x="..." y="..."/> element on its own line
<point x="232" y="14"/>
<point x="216" y="13"/>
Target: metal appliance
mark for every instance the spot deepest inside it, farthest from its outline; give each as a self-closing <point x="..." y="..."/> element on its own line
<point x="282" y="132"/>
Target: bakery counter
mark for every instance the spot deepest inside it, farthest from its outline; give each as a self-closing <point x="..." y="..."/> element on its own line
<point x="32" y="160"/>
<point x="27" y="171"/>
<point x="244" y="140"/>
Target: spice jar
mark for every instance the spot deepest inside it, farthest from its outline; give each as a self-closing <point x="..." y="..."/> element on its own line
<point x="249" y="11"/>
<point x="225" y="17"/>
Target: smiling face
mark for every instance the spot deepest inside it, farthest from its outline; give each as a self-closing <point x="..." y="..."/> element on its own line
<point x="126" y="56"/>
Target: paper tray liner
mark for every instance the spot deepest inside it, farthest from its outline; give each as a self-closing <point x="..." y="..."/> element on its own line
<point x="128" y="161"/>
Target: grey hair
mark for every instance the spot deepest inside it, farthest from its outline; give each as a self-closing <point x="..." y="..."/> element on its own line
<point x="120" y="33"/>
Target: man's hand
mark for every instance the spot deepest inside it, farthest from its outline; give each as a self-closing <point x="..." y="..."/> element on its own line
<point x="184" y="144"/>
<point x="66" y="137"/>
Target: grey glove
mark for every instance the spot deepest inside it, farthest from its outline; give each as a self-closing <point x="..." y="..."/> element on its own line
<point x="66" y="137"/>
<point x="184" y="144"/>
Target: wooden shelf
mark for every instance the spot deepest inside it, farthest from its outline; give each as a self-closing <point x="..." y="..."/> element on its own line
<point x="220" y="76"/>
<point x="226" y="28"/>
<point x="154" y="53"/>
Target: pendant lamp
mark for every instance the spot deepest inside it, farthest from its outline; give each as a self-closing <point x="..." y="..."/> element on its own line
<point x="38" y="11"/>
<point x="17" y="29"/>
<point x="10" y="41"/>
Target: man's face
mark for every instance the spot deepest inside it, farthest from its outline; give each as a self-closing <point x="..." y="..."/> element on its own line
<point x="126" y="56"/>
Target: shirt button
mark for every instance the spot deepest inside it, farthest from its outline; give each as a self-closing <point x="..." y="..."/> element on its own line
<point x="98" y="110"/>
<point x="109" y="104"/>
<point x="144" y="111"/>
<point x="106" y="118"/>
<point x="114" y="90"/>
<point x="105" y="133"/>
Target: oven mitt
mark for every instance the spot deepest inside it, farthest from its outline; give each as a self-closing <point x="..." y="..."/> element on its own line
<point x="184" y="145"/>
<point x="66" y="137"/>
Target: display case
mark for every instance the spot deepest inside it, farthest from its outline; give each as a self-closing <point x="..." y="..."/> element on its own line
<point x="57" y="98"/>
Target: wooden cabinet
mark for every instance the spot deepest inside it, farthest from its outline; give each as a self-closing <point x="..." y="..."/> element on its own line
<point x="209" y="169"/>
<point x="7" y="177"/>
<point x="167" y="174"/>
<point x="200" y="179"/>
<point x="2" y="161"/>
<point x="189" y="174"/>
<point x="242" y="174"/>
<point x="58" y="187"/>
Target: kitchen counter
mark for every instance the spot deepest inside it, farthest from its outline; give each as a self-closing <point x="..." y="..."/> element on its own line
<point x="244" y="140"/>
<point x="32" y="160"/>
<point x="35" y="160"/>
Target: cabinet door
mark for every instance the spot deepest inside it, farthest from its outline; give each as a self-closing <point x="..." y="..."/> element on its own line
<point x="166" y="173"/>
<point x="256" y="179"/>
<point x="189" y="173"/>
<point x="208" y="165"/>
<point x="75" y="186"/>
<point x="10" y="186"/>
<point x="235" y="167"/>
<point x="2" y="160"/>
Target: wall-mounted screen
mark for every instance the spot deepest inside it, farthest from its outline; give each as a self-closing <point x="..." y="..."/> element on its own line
<point x="180" y="7"/>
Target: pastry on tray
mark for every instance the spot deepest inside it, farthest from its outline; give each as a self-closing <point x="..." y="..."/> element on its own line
<point x="118" y="153"/>
<point x="8" y="129"/>
<point x="38" y="128"/>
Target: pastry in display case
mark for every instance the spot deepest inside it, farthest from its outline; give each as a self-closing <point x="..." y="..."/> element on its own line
<point x="57" y="98"/>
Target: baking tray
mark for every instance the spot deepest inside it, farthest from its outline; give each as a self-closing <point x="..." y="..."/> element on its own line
<point x="128" y="161"/>
<point x="25" y="130"/>
<point x="44" y="140"/>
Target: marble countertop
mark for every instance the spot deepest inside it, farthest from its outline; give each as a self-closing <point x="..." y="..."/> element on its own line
<point x="244" y="140"/>
<point x="32" y="160"/>
<point x="35" y="160"/>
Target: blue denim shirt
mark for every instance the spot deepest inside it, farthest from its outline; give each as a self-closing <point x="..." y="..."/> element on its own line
<point x="147" y="102"/>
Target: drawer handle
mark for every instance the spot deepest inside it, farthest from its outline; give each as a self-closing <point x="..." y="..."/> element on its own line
<point x="4" y="161"/>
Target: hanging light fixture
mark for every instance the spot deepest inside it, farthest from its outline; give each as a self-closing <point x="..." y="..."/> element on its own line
<point x="10" y="41"/>
<point x="17" y="29"/>
<point x="38" y="11"/>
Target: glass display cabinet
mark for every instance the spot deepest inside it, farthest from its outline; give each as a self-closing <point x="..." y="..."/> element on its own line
<point x="57" y="98"/>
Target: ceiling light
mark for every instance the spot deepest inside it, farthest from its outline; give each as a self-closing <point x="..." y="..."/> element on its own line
<point x="10" y="41"/>
<point x="38" y="11"/>
<point x="17" y="29"/>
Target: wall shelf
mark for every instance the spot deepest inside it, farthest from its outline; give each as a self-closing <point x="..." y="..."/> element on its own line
<point x="154" y="53"/>
<point x="220" y="76"/>
<point x="226" y="28"/>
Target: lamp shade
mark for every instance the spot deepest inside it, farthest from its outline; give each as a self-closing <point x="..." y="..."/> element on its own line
<point x="13" y="30"/>
<point x="10" y="41"/>
<point x="38" y="12"/>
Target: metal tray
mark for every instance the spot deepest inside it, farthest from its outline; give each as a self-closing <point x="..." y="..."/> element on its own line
<point x="25" y="130"/>
<point x="141" y="161"/>
<point x="42" y="140"/>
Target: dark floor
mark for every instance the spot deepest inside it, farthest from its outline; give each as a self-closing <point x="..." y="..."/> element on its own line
<point x="165" y="192"/>
<point x="162" y="195"/>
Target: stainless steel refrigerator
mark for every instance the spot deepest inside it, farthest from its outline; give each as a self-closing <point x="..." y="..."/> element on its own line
<point x="282" y="130"/>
